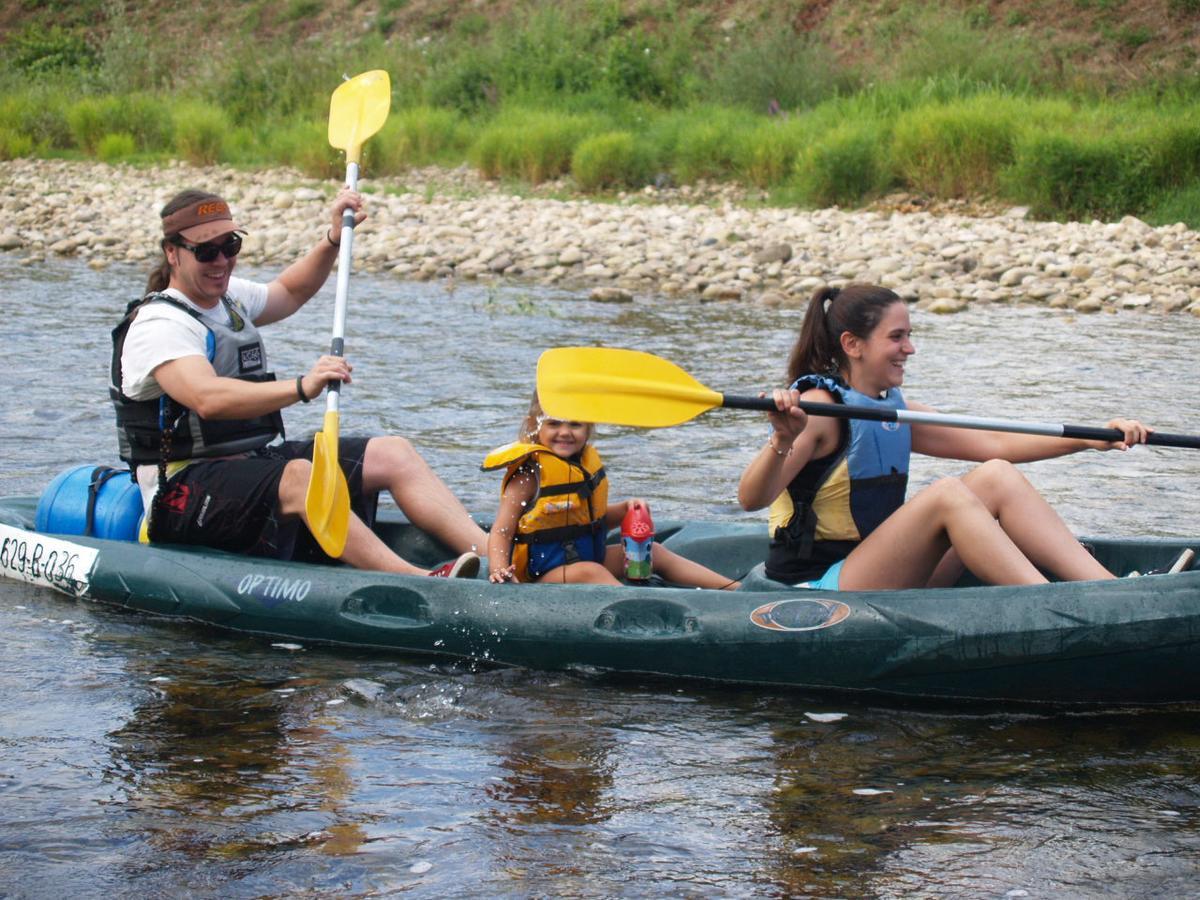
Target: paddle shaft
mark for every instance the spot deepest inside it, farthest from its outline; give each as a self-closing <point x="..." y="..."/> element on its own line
<point x="915" y="417"/>
<point x="337" y="346"/>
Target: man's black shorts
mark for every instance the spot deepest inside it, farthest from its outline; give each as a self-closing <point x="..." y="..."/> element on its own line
<point x="233" y="504"/>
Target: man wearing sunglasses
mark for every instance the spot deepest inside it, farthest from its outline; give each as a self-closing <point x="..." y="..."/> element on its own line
<point x="199" y="411"/>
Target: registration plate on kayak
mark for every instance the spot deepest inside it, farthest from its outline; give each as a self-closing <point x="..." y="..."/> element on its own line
<point x="46" y="561"/>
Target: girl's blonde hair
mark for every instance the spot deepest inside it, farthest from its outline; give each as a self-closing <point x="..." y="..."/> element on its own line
<point x="532" y="423"/>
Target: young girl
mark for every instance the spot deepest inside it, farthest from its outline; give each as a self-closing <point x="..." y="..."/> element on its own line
<point x="554" y="513"/>
<point x="836" y="487"/>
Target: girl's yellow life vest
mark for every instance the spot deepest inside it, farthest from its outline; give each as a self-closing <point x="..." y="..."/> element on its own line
<point x="569" y="503"/>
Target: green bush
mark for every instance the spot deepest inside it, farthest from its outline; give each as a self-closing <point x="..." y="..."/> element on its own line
<point x="115" y="147"/>
<point x="1077" y="176"/>
<point x="1172" y="156"/>
<point x="305" y="145"/>
<point x="418" y="136"/>
<point x="200" y="133"/>
<point x="613" y="159"/>
<point x="37" y="50"/>
<point x="40" y="113"/>
<point x="933" y="42"/>
<point x="466" y="85"/>
<point x="293" y="83"/>
<point x="127" y="61"/>
<point x="549" y="53"/>
<point x="706" y="142"/>
<point x="777" y="64"/>
<point x="14" y="144"/>
<point x="531" y="145"/>
<point x="844" y="166"/>
<point x="145" y="118"/>
<point x="87" y="123"/>
<point x="956" y="149"/>
<point x="766" y="156"/>
<point x="1176" y="205"/>
<point x="640" y="66"/>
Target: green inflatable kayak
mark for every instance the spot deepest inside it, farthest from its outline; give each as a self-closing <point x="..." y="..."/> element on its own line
<point x="1128" y="641"/>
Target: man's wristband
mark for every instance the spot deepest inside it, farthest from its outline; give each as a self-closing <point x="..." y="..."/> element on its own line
<point x="329" y="237"/>
<point x="300" y="389"/>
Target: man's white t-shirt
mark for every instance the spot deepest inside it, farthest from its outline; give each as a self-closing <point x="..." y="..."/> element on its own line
<point x="162" y="333"/>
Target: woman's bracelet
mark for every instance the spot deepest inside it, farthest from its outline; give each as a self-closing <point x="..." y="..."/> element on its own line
<point x="784" y="453"/>
<point x="329" y="237"/>
<point x="300" y="390"/>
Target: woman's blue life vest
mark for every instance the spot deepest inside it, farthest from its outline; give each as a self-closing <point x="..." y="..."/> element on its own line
<point x="836" y="501"/>
<point x="149" y="431"/>
<point x="564" y="523"/>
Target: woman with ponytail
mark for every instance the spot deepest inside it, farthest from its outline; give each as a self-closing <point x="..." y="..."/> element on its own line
<point x="836" y="487"/>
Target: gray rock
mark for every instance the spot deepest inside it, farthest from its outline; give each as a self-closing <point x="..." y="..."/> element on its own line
<point x="780" y="253"/>
<point x="610" y="295"/>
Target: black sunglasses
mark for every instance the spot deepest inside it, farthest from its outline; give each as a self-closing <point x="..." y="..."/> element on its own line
<point x="208" y="251"/>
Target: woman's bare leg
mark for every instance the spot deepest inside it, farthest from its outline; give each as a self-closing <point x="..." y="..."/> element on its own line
<point x="1032" y="523"/>
<point x="948" y="571"/>
<point x="905" y="550"/>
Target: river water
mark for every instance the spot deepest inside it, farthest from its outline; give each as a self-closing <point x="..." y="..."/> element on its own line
<point x="144" y="759"/>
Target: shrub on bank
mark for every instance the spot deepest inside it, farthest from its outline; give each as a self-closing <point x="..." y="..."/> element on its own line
<point x="38" y="114"/>
<point x="1121" y="167"/>
<point x="143" y="117"/>
<point x="200" y="133"/>
<point x="1176" y="205"/>
<point x="116" y="147"/>
<point x="956" y="149"/>
<point x="929" y="43"/>
<point x="766" y="155"/>
<point x="775" y="64"/>
<point x="706" y="141"/>
<point x="420" y="136"/>
<point x="14" y="145"/>
<point x="844" y="166"/>
<point x="305" y="146"/>
<point x="610" y="160"/>
<point x="531" y="144"/>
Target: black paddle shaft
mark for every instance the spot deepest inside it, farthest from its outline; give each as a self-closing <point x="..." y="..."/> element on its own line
<point x="848" y="411"/>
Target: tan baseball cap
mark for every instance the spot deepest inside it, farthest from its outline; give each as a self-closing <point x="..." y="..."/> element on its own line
<point x="201" y="221"/>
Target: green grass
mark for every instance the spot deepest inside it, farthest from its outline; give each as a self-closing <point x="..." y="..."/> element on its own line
<point x="957" y="149"/>
<point x="533" y="145"/>
<point x="116" y="147"/>
<point x="844" y="166"/>
<point x="1178" y="205"/>
<point x="611" y="160"/>
<point x="201" y="133"/>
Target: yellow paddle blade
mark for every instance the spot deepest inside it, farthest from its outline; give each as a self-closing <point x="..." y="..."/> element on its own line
<point x="327" y="502"/>
<point x="622" y="387"/>
<point x="358" y="109"/>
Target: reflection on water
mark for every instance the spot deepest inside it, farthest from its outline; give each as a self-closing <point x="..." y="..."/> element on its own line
<point x="144" y="759"/>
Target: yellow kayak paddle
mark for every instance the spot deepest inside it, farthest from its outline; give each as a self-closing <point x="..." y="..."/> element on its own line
<point x="629" y="387"/>
<point x="357" y="109"/>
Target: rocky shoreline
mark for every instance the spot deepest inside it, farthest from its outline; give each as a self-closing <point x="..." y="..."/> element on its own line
<point x="707" y="242"/>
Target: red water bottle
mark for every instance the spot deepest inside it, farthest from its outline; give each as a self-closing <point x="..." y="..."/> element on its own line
<point x="637" y="534"/>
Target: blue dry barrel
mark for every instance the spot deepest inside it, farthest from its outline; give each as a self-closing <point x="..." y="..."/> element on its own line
<point x="106" y="496"/>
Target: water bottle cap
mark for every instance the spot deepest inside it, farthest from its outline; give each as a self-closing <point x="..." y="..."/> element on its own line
<point x="640" y="530"/>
